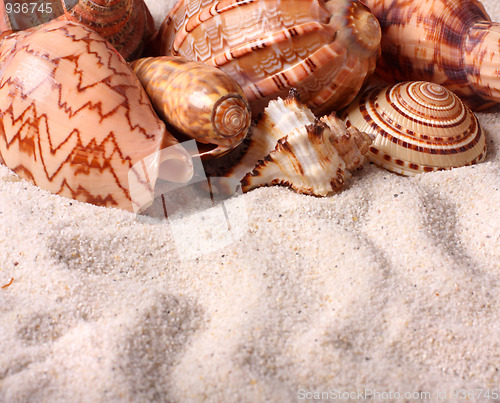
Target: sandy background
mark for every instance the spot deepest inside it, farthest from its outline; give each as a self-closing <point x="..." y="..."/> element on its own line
<point x="392" y="285"/>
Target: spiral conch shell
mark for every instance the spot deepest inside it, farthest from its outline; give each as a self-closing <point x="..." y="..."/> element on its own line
<point x="200" y="101"/>
<point x="74" y="119"/>
<point x="289" y="146"/>
<point x="126" y="24"/>
<point x="418" y="127"/>
<point x="450" y="42"/>
<point x="324" y="49"/>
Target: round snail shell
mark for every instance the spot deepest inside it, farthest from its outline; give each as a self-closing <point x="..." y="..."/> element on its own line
<point x="200" y="101"/>
<point x="418" y="127"/>
<point x="449" y="42"/>
<point x="126" y="24"/>
<point x="75" y="120"/>
<point x="324" y="49"/>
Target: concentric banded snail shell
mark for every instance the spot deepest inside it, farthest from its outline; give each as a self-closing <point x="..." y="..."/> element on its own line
<point x="75" y="120"/>
<point x="418" y="127"/>
<point x="200" y="101"/>
<point x="126" y="24"/>
<point x="325" y="49"/>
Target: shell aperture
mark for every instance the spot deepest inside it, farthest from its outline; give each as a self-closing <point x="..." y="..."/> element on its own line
<point x="289" y="146"/>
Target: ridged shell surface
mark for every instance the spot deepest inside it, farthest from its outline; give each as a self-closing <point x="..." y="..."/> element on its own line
<point x="126" y="24"/>
<point x="418" y="127"/>
<point x="200" y="101"/>
<point x="449" y="42"/>
<point x="325" y="49"/>
<point x="290" y="147"/>
<point x="75" y="119"/>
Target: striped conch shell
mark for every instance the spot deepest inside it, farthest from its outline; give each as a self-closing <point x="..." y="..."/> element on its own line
<point x="449" y="42"/>
<point x="289" y="146"/>
<point x="74" y="119"/>
<point x="126" y="24"/>
<point x="200" y="101"/>
<point x="418" y="127"/>
<point x="325" y="49"/>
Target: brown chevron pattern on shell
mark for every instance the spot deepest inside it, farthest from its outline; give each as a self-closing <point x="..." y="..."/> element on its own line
<point x="200" y="101"/>
<point x="323" y="49"/>
<point x="126" y="24"/>
<point x="74" y="118"/>
<point x="449" y="42"/>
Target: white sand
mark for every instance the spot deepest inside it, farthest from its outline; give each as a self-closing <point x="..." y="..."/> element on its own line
<point x="392" y="285"/>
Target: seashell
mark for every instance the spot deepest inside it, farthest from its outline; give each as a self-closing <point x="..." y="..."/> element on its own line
<point x="75" y="118"/>
<point x="200" y="101"/>
<point x="325" y="49"/>
<point x="449" y="42"/>
<point x="19" y="15"/>
<point x="126" y="24"/>
<point x="290" y="146"/>
<point x="418" y="127"/>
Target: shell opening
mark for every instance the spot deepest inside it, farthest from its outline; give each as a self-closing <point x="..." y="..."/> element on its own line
<point x="231" y="115"/>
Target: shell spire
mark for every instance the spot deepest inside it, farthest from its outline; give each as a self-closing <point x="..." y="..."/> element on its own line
<point x="200" y="101"/>
<point x="418" y="127"/>
<point x="126" y="24"/>
<point x="290" y="147"/>
<point x="450" y="42"/>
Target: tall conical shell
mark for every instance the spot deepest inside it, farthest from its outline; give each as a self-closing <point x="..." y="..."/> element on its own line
<point x="418" y="127"/>
<point x="75" y="120"/>
<point x="290" y="147"/>
<point x="200" y="101"/>
<point x="449" y="42"/>
<point x="126" y="24"/>
<point x="325" y="49"/>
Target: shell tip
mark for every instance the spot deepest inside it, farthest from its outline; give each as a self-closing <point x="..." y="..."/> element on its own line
<point x="231" y="116"/>
<point x="293" y="96"/>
